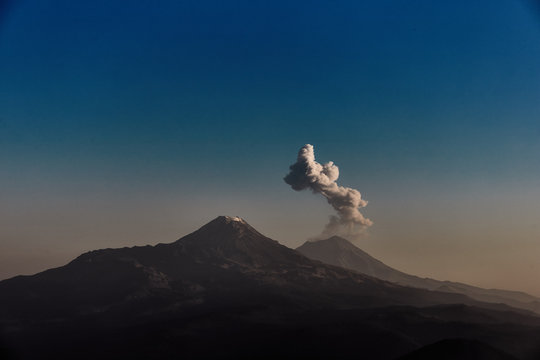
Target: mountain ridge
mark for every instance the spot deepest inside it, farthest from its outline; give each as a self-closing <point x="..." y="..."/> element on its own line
<point x="341" y="252"/>
<point x="226" y="259"/>
<point x="227" y="291"/>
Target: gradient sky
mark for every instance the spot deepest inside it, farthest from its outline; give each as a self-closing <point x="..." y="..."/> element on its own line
<point x="126" y="123"/>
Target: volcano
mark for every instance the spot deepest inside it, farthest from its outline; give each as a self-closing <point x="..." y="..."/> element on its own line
<point x="341" y="252"/>
<point x="228" y="291"/>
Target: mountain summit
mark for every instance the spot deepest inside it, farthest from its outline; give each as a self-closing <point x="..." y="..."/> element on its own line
<point x="341" y="252"/>
<point x="231" y="243"/>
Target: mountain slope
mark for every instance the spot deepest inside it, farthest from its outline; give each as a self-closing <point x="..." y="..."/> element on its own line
<point x="227" y="291"/>
<point x="226" y="259"/>
<point x="341" y="252"/>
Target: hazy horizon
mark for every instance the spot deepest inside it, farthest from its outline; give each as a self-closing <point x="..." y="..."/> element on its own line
<point x="133" y="125"/>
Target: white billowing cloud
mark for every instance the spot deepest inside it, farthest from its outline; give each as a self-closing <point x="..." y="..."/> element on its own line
<point x="306" y="173"/>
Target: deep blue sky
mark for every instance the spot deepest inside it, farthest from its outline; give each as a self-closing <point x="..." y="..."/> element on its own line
<point x="118" y="115"/>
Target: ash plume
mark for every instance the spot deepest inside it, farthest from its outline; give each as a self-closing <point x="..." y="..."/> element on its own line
<point x="306" y="173"/>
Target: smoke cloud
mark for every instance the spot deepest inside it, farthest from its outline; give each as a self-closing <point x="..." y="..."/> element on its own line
<point x="306" y="173"/>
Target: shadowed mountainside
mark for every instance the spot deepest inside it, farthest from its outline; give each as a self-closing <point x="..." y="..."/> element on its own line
<point x="224" y="259"/>
<point x="227" y="291"/>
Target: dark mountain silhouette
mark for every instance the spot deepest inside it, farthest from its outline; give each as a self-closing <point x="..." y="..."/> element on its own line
<point x="341" y="252"/>
<point x="224" y="259"/>
<point x="227" y="291"/>
<point x="458" y="349"/>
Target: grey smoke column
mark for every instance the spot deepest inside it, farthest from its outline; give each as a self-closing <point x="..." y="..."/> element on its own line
<point x="306" y="173"/>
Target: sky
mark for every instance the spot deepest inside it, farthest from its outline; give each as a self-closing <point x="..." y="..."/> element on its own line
<point x="131" y="123"/>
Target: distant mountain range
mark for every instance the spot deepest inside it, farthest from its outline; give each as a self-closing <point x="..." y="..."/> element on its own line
<point x="341" y="252"/>
<point x="226" y="291"/>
